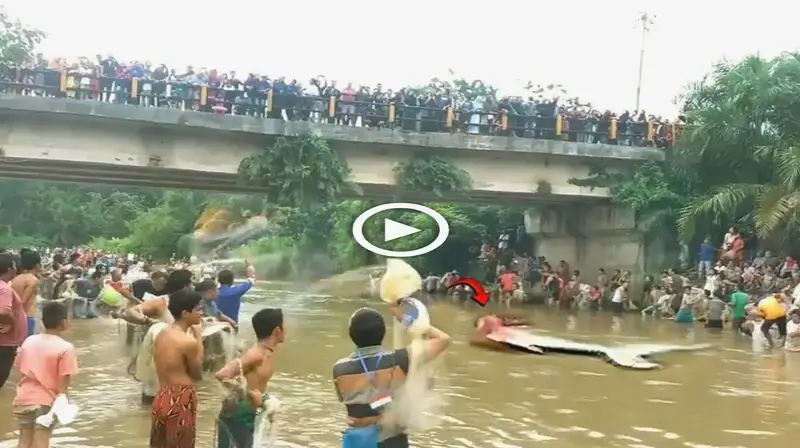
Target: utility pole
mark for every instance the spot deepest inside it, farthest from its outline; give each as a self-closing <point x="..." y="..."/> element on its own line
<point x="645" y="20"/>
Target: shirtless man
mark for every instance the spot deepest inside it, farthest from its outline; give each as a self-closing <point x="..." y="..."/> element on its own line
<point x="155" y="310"/>
<point x="26" y="285"/>
<point x="178" y="358"/>
<point x="246" y="379"/>
<point x="143" y="317"/>
<point x="119" y="286"/>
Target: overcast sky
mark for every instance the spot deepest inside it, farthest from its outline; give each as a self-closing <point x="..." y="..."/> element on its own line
<point x="591" y="47"/>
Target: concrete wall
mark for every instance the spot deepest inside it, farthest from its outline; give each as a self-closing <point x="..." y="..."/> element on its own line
<point x="588" y="237"/>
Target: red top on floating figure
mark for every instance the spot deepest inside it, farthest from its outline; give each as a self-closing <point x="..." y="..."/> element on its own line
<point x="251" y="270"/>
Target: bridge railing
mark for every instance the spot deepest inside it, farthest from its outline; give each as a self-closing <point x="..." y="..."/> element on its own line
<point x="289" y="106"/>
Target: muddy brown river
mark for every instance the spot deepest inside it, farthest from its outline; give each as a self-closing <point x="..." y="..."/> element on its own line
<point x="727" y="397"/>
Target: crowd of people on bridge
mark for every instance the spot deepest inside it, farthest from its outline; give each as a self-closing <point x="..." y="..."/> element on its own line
<point x="476" y="107"/>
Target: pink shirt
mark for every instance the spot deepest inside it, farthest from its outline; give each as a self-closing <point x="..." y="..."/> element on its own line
<point x="348" y="95"/>
<point x="12" y="336"/>
<point x="42" y="360"/>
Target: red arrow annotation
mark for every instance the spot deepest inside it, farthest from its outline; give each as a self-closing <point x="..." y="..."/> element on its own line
<point x="480" y="295"/>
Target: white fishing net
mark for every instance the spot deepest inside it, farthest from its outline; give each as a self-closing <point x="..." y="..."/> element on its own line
<point x="416" y="406"/>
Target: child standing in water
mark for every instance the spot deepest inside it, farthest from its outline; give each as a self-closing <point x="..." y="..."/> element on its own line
<point x="246" y="379"/>
<point x="26" y="284"/>
<point x="46" y="365"/>
<point x="210" y="292"/>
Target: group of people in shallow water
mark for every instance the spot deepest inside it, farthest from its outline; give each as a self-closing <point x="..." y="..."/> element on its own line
<point x="173" y="307"/>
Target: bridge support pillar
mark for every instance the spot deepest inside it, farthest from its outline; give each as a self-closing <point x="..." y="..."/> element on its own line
<point x="587" y="237"/>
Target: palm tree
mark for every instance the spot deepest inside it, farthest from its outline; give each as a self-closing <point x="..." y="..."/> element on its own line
<point x="743" y="147"/>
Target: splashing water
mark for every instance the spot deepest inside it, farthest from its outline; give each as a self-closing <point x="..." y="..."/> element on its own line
<point x="215" y="242"/>
<point x="353" y="283"/>
<point x="254" y="226"/>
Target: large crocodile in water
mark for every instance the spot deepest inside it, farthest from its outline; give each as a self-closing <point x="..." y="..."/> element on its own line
<point x="632" y="356"/>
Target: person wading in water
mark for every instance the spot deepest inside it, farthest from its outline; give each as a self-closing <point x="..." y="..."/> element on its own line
<point x="230" y="296"/>
<point x="156" y="310"/>
<point x="155" y="285"/>
<point x="26" y="285"/>
<point x="366" y="380"/>
<point x="178" y="358"/>
<point x="774" y="310"/>
<point x="144" y="316"/>
<point x="46" y="364"/>
<point x="13" y="321"/>
<point x="246" y="379"/>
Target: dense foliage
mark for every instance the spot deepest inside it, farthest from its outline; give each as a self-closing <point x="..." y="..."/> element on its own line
<point x="299" y="172"/>
<point x="738" y="162"/>
<point x="36" y="214"/>
<point x="298" y="242"/>
<point x="427" y="172"/>
<point x="320" y="242"/>
<point x="17" y="43"/>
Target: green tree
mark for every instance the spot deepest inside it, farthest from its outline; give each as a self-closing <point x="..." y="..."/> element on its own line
<point x="300" y="172"/>
<point x="428" y="172"/>
<point x="737" y="163"/>
<point x="744" y="139"/>
<point x="17" y="43"/>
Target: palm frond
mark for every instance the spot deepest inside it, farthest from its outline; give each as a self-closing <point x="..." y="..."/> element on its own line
<point x="788" y="166"/>
<point x="720" y="201"/>
<point x="774" y="208"/>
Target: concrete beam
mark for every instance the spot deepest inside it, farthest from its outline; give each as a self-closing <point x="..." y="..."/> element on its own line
<point x="517" y="178"/>
<point x="69" y="172"/>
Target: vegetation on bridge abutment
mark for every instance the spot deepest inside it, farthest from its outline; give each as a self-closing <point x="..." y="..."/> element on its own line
<point x="307" y="172"/>
<point x="304" y="177"/>
<point x="737" y="165"/>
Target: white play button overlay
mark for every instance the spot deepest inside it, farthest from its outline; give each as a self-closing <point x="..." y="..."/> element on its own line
<point x="393" y="230"/>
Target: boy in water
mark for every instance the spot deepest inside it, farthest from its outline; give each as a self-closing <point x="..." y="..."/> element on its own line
<point x="13" y="321"/>
<point x="178" y="359"/>
<point x="738" y="303"/>
<point x="26" y="285"/>
<point x="714" y="313"/>
<point x="246" y="379"/>
<point x="208" y="289"/>
<point x="366" y="380"/>
<point x="46" y="364"/>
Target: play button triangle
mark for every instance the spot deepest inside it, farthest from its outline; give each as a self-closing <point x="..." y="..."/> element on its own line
<point x="393" y="230"/>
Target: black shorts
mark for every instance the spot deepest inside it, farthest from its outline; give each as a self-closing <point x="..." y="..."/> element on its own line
<point x="400" y="441"/>
<point x="617" y="307"/>
<point x="714" y="323"/>
<point x="780" y="322"/>
<point x="7" y="356"/>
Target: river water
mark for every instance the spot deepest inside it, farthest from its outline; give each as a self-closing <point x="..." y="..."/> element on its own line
<point x="727" y="397"/>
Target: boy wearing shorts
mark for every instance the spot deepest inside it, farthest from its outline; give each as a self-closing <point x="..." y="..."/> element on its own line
<point x="46" y="364"/>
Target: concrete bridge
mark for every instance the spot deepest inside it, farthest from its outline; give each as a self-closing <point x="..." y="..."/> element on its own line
<point x="84" y="141"/>
<point x="179" y="149"/>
